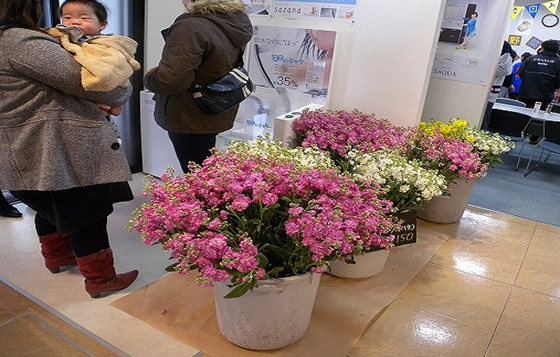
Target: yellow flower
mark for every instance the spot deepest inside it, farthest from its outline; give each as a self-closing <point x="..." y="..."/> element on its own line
<point x="445" y="130"/>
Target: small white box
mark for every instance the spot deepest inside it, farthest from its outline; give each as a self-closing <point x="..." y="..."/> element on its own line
<point x="283" y="124"/>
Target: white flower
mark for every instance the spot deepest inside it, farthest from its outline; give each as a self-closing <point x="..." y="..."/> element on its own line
<point x="492" y="143"/>
<point x="264" y="146"/>
<point x="403" y="182"/>
<point x="404" y="188"/>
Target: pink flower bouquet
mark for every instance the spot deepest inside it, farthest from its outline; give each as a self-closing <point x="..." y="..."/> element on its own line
<point x="339" y="131"/>
<point x="372" y="151"/>
<point x="456" y="149"/>
<point x="260" y="211"/>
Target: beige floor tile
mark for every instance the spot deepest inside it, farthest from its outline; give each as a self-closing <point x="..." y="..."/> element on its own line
<point x="548" y="227"/>
<point x="501" y="216"/>
<point x="443" y="231"/>
<point x="548" y="231"/>
<point x="530" y="326"/>
<point x="490" y="226"/>
<point x="492" y="249"/>
<point x="405" y="330"/>
<point x="64" y="292"/>
<point x="457" y="295"/>
<point x="541" y="267"/>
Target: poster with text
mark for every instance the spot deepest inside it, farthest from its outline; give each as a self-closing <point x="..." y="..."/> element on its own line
<point x="293" y="59"/>
<point x="339" y="10"/>
<point x="469" y="31"/>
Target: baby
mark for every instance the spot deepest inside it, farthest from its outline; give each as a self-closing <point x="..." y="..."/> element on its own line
<point x="107" y="60"/>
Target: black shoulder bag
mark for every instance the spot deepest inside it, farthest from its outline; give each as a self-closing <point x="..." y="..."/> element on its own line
<point x="226" y="92"/>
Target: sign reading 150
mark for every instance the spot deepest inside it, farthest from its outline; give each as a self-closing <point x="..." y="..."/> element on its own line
<point x="287" y="10"/>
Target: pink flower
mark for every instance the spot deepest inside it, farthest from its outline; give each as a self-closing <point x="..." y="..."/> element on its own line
<point x="240" y="203"/>
<point x="246" y="216"/>
<point x="338" y="131"/>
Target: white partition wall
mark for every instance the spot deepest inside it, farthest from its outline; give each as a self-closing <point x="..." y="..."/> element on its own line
<point x="383" y="60"/>
<point x="157" y="151"/>
<point x="159" y="15"/>
<point x="386" y="57"/>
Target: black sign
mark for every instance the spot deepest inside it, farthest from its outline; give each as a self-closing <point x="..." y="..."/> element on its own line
<point x="407" y="234"/>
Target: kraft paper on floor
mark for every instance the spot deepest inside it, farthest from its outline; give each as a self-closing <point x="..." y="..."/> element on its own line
<point x="343" y="308"/>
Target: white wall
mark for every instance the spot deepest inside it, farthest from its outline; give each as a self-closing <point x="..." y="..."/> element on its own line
<point x="159" y="15"/>
<point x="537" y="29"/>
<point x="386" y="66"/>
<point x="382" y="61"/>
<point x="450" y="99"/>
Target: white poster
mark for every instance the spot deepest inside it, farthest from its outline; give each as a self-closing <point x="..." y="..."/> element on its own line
<point x="524" y="26"/>
<point x="293" y="59"/>
<point x="291" y="68"/>
<point x="340" y="10"/>
<point x="469" y="30"/>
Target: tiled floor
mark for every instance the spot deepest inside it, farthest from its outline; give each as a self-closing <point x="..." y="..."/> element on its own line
<point x="21" y="318"/>
<point x="490" y="288"/>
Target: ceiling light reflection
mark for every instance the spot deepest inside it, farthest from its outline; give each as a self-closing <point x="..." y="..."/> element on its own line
<point x="479" y="219"/>
<point x="433" y="333"/>
<point x="466" y="264"/>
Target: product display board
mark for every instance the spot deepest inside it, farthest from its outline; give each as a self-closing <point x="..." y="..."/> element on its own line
<point x="291" y="68"/>
<point x="465" y="47"/>
<point x="258" y="7"/>
<point x="292" y="59"/>
<point x="340" y="10"/>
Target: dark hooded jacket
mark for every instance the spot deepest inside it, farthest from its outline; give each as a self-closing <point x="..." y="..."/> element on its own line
<point x="200" y="47"/>
<point x="541" y="76"/>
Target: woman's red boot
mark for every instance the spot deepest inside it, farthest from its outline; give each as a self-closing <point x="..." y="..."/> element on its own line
<point x="99" y="273"/>
<point x="57" y="250"/>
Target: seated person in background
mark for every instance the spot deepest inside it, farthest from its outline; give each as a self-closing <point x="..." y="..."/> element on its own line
<point x="502" y="70"/>
<point x="507" y="86"/>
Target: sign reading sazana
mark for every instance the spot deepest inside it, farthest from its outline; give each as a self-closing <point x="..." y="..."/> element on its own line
<point x="340" y="10"/>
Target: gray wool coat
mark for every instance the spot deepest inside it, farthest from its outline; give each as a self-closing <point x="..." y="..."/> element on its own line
<point x="52" y="135"/>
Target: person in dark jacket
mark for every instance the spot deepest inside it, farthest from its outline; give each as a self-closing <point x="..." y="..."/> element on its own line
<point x="201" y="46"/>
<point x="540" y="76"/>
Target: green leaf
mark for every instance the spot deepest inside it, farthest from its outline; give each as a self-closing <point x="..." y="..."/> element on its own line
<point x="263" y="261"/>
<point x="172" y="267"/>
<point x="276" y="250"/>
<point x="240" y="290"/>
<point x="274" y="272"/>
